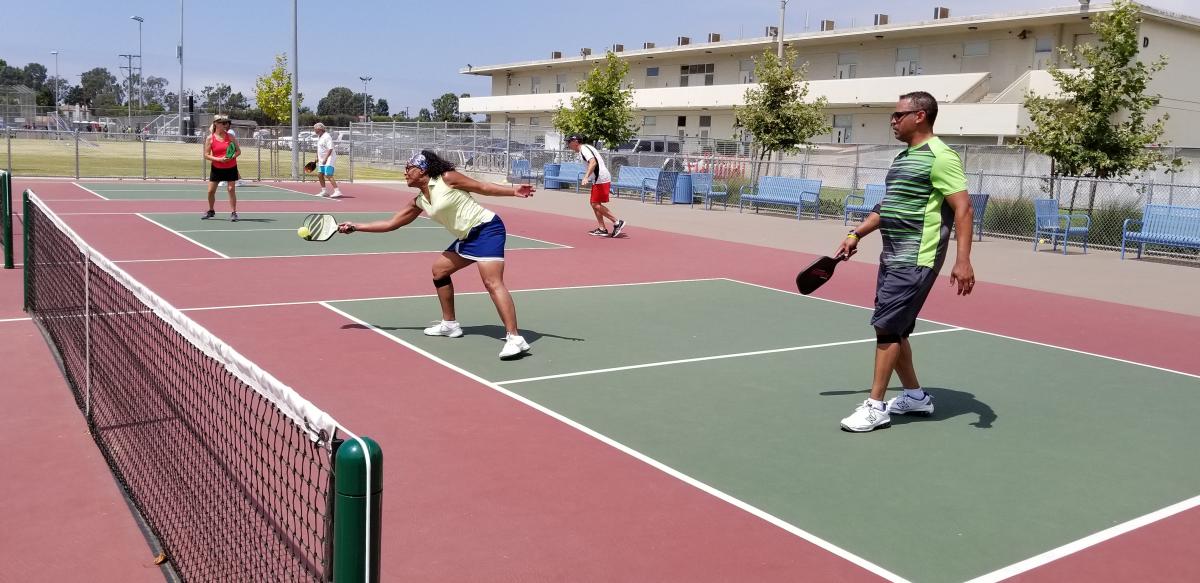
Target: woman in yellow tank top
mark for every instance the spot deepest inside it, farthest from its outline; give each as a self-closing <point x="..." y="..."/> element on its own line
<point x="479" y="238"/>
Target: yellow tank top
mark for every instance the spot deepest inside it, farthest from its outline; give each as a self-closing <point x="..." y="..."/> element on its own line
<point x="453" y="208"/>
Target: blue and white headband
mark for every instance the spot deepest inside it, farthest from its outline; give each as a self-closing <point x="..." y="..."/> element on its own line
<point x="419" y="161"/>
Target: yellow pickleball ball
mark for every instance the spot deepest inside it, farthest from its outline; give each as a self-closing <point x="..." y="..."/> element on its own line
<point x="303" y="232"/>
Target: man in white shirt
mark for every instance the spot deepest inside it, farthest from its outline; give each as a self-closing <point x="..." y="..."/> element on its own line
<point x="598" y="176"/>
<point x="326" y="156"/>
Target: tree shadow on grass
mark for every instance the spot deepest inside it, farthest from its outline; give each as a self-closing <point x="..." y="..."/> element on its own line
<point x="947" y="403"/>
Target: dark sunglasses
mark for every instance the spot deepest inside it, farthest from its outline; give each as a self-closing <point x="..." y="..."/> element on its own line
<point x="899" y="115"/>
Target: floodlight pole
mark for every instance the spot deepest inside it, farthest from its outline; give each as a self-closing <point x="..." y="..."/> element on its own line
<point x="139" y="20"/>
<point x="295" y="102"/>
<point x="365" y="79"/>
<point x="779" y="37"/>
<point x="179" y="53"/>
<point x="129" y="82"/>
<point x="57" y="104"/>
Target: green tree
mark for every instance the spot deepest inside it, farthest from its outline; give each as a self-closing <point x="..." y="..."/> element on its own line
<point x="11" y="75"/>
<point x="273" y="92"/>
<point x="99" y="82"/>
<point x="777" y="113"/>
<point x="424" y="115"/>
<point x="154" y="90"/>
<point x="445" y="108"/>
<point x="1098" y="126"/>
<point x="35" y="75"/>
<point x="339" y="101"/>
<point x="381" y="107"/>
<point x="603" y="111"/>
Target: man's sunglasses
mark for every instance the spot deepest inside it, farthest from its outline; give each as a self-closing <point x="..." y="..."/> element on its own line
<point x="899" y="115"/>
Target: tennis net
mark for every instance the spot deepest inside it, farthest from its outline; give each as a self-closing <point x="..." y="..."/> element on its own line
<point x="231" y="469"/>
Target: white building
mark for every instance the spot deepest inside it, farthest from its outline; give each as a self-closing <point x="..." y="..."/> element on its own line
<point x="978" y="67"/>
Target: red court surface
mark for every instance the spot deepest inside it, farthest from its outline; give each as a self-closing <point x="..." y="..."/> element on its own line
<point x="479" y="486"/>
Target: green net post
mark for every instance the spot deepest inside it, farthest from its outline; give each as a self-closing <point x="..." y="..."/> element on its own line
<point x="6" y="228"/>
<point x="358" y="493"/>
<point x="27" y="249"/>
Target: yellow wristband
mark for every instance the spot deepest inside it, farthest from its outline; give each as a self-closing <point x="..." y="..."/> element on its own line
<point x="853" y="235"/>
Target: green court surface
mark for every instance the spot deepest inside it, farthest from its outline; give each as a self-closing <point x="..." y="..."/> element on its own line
<point x="1031" y="447"/>
<point x="274" y="235"/>
<point x="190" y="191"/>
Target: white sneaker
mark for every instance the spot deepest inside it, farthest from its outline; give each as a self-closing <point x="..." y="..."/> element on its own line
<point x="444" y="328"/>
<point x="322" y="193"/>
<point x="866" y="418"/>
<point x="904" y="405"/>
<point x="221" y="183"/>
<point x="240" y="183"/>
<point x="513" y="346"/>
<point x="337" y="193"/>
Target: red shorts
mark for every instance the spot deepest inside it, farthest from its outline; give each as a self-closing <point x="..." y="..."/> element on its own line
<point x="600" y="192"/>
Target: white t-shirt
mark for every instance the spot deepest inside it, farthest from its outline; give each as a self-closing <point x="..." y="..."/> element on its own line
<point x="325" y="146"/>
<point x="601" y="175"/>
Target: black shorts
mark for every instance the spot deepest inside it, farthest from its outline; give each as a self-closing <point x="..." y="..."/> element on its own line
<point x="899" y="295"/>
<point x="223" y="174"/>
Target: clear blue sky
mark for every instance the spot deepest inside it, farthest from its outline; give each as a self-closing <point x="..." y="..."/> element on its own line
<point x="412" y="49"/>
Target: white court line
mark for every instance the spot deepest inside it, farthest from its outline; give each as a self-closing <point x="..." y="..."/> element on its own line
<point x="706" y="358"/>
<point x="147" y="199"/>
<point x="91" y="191"/>
<point x="434" y="295"/>
<point x="1027" y="341"/>
<point x="1088" y="541"/>
<point x="14" y="320"/>
<point x="285" y="229"/>
<point x="185" y="238"/>
<point x="222" y="258"/>
<point x="703" y="487"/>
<point x="309" y="194"/>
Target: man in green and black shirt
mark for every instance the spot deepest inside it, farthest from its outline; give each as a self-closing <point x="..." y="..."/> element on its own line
<point x="926" y="195"/>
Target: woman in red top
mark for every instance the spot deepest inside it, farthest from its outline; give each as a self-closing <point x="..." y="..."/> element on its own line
<point x="223" y="169"/>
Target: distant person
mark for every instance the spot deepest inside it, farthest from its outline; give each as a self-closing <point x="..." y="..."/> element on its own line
<point x="223" y="170"/>
<point x="326" y="157"/>
<point x="598" y="176"/>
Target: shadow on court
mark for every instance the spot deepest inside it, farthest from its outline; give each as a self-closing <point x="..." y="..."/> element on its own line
<point x="947" y="403"/>
<point x="492" y="330"/>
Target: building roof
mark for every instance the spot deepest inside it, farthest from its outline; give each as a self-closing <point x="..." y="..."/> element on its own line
<point x="1060" y="15"/>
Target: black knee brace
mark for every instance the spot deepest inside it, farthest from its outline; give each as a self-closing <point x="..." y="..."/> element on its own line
<point x="442" y="282"/>
<point x="887" y="338"/>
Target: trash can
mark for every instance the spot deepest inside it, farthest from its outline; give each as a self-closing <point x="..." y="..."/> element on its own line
<point x="683" y="189"/>
<point x="551" y="169"/>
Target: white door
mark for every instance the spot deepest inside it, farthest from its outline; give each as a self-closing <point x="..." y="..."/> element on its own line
<point x="1043" y="53"/>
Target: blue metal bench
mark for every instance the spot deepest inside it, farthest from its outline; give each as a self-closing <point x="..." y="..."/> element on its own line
<point x="979" y="207"/>
<point x="661" y="186"/>
<point x="1163" y="224"/>
<point x="1049" y="221"/>
<point x="702" y="189"/>
<point x="632" y="177"/>
<point x="801" y="193"/>
<point x="571" y="172"/>
<point x="522" y="171"/>
<point x="862" y="204"/>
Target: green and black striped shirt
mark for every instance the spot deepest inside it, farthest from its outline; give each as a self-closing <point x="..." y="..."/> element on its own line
<point x="915" y="220"/>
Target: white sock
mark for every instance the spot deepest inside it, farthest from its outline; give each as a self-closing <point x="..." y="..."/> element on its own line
<point x="876" y="404"/>
<point x="917" y="393"/>
<point x="450" y="323"/>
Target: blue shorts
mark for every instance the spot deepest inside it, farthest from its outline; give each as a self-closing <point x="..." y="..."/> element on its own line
<point x="325" y="170"/>
<point x="485" y="242"/>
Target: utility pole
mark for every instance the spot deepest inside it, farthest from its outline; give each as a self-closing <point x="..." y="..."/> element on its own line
<point x="779" y="38"/>
<point x="129" y="81"/>
<point x="140" y="20"/>
<point x="295" y="97"/>
<point x="179" y="53"/>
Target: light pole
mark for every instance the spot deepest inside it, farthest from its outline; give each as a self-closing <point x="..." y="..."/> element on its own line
<point x="779" y="39"/>
<point x="295" y="96"/>
<point x="365" y="80"/>
<point x="56" y="82"/>
<point x="129" y="82"/>
<point x="179" y="53"/>
<point x="140" y="20"/>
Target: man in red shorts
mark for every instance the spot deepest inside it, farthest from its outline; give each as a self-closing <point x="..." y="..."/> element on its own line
<point x="598" y="176"/>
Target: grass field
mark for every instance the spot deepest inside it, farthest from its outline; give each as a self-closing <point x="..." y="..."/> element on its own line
<point x="37" y="157"/>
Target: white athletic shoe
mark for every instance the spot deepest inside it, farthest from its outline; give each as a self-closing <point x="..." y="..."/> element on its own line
<point x="322" y="193"/>
<point x="904" y="405"/>
<point x="513" y="346"/>
<point x="337" y="193"/>
<point x="221" y="183"/>
<point x="240" y="183"/>
<point x="444" y="328"/>
<point x="866" y="418"/>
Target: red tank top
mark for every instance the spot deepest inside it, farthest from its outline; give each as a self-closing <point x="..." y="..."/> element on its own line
<point x="219" y="147"/>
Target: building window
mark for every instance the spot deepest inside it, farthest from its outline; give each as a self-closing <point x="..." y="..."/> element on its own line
<point x="697" y="75"/>
<point x="979" y="48"/>
<point x="843" y="128"/>
<point x="847" y="67"/>
<point x="560" y="83"/>
<point x="649" y="120"/>
<point x="535" y="85"/>
<point x="706" y="121"/>
<point x="746" y="71"/>
<point x="533" y="121"/>
<point x="651" y="71"/>
<point x="510" y="120"/>
<point x="681" y="121"/>
<point x="908" y="60"/>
